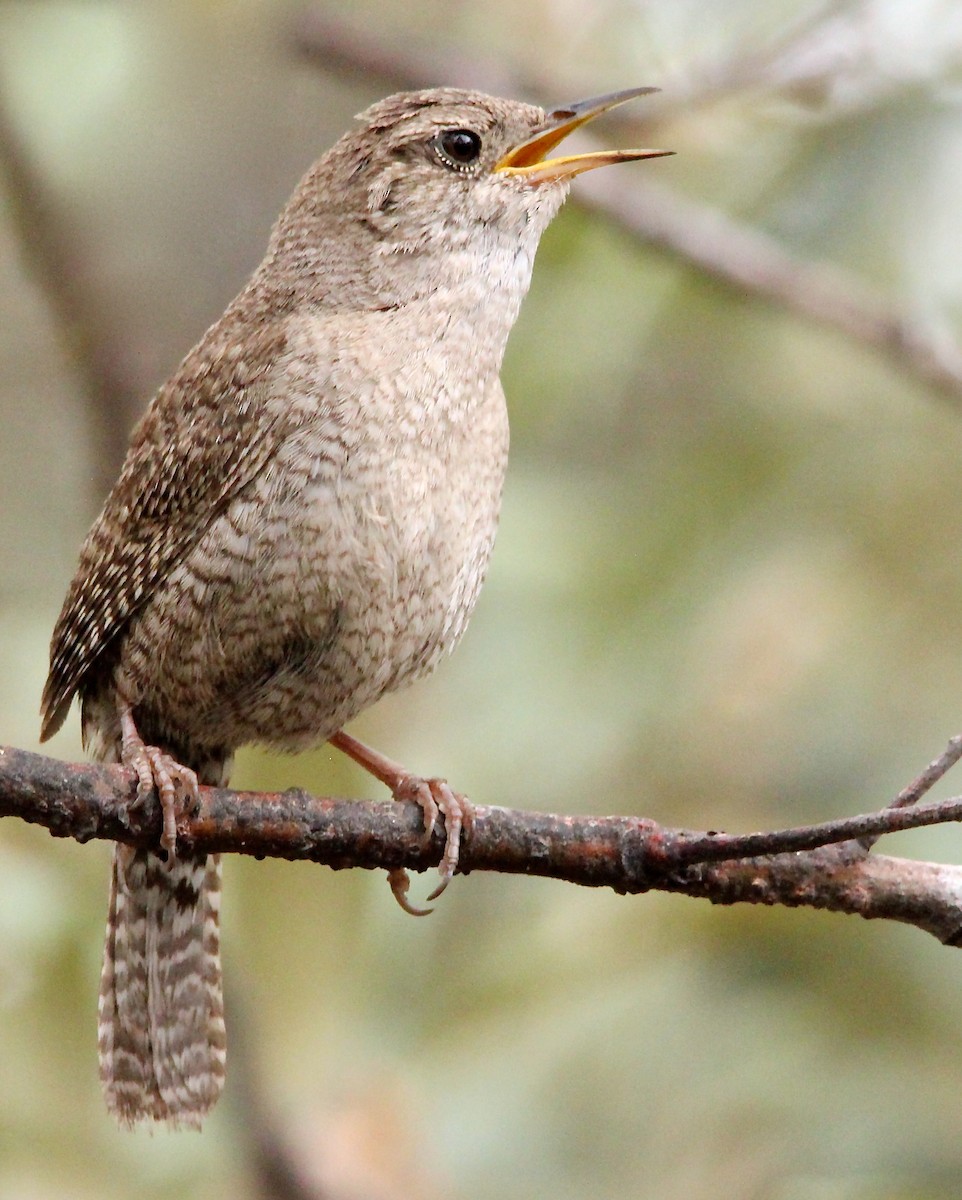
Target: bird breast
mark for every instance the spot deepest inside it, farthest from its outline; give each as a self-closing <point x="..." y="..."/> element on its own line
<point x="347" y="570"/>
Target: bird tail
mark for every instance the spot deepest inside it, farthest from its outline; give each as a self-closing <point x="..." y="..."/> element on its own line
<point x="161" y="1036"/>
<point x="161" y="1015"/>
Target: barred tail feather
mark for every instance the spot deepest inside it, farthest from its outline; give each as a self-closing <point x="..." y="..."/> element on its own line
<point x="162" y="1038"/>
<point x="185" y="992"/>
<point x="126" y="1070"/>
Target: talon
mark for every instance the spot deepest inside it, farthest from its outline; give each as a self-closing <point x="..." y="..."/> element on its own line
<point x="400" y="882"/>
<point x="455" y="809"/>
<point x="438" y="890"/>
<point x="411" y="789"/>
<point x="176" y="784"/>
<point x="145" y="778"/>
<point x="434" y="796"/>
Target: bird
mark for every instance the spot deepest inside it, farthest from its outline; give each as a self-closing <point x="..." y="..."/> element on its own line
<point x="301" y="525"/>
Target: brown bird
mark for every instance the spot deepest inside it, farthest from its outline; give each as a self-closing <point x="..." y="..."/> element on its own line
<point x="302" y="524"/>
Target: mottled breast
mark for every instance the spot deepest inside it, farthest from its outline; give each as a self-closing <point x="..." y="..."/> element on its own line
<point x="346" y="570"/>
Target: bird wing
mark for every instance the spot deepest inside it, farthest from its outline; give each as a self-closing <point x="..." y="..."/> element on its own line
<point x="207" y="434"/>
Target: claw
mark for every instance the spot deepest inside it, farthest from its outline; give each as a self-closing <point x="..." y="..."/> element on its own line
<point x="411" y="789"/>
<point x="400" y="882"/>
<point x="434" y="796"/>
<point x="438" y="890"/>
<point x="176" y="784"/>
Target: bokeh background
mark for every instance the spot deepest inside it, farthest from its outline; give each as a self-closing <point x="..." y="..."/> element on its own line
<point x="727" y="593"/>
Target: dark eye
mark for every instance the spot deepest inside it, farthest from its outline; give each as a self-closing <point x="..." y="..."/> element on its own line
<point x="458" y="147"/>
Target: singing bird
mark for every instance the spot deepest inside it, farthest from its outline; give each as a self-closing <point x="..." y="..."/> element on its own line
<point x="302" y="524"/>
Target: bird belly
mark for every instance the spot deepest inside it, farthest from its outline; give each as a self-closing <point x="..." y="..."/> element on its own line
<point x="312" y="597"/>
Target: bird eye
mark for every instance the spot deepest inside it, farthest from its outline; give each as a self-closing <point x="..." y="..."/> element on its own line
<point x="458" y="147"/>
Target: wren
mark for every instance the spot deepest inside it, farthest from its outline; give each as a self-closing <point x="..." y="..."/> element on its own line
<point x="302" y="524"/>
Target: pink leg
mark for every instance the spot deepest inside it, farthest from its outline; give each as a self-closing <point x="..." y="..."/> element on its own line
<point x="433" y="795"/>
<point x="176" y="784"/>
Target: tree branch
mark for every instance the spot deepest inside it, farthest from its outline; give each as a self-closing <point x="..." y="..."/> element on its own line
<point x="819" y="866"/>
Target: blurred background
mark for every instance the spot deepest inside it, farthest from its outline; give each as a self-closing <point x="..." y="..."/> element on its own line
<point x="727" y="593"/>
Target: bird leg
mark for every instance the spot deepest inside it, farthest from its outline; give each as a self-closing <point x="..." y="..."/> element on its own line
<point x="176" y="784"/>
<point x="432" y="795"/>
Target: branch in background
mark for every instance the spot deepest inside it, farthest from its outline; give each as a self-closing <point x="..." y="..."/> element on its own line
<point x="703" y="237"/>
<point x="357" y="56"/>
<point x="831" y="59"/>
<point x="278" y="1171"/>
<point x="756" y="264"/>
<point x="819" y="866"/>
<point x="109" y="379"/>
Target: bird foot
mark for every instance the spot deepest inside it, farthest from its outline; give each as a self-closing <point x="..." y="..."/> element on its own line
<point x="433" y="796"/>
<point x="176" y="784"/>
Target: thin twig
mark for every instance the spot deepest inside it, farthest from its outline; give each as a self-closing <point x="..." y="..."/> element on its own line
<point x="924" y="782"/>
<point x="927" y="779"/>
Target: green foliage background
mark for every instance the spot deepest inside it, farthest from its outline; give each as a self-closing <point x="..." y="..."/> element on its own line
<point x="727" y="593"/>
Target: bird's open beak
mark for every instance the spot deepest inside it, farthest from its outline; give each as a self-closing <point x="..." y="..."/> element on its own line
<point x="528" y="162"/>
